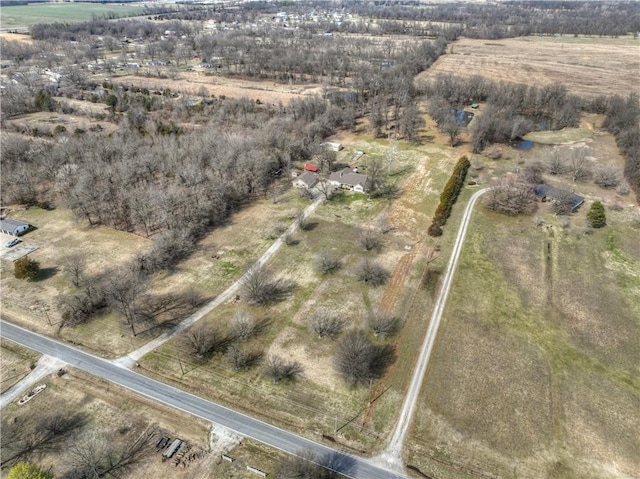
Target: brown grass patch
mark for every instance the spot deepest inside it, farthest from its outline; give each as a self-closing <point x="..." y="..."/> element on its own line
<point x="587" y="66"/>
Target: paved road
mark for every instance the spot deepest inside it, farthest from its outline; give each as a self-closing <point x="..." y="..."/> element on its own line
<point x="347" y="464"/>
<point x="131" y="358"/>
<point x="393" y="452"/>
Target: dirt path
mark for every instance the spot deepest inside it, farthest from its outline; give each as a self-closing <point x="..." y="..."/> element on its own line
<point x="392" y="455"/>
<point x="396" y="283"/>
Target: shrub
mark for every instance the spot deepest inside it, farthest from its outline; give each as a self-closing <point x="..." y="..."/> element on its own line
<point x="26" y="268"/>
<point x="372" y="273"/>
<point x="358" y="360"/>
<point x="327" y="263"/>
<point x="596" y="215"/>
<point x="280" y="370"/>
<point x="449" y="196"/>
<point x="325" y="323"/>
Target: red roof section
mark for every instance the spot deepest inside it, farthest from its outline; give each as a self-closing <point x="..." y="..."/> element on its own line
<point x="308" y="167"/>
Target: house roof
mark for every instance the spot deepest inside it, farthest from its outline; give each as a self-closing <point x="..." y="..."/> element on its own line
<point x="553" y="193"/>
<point x="310" y="167"/>
<point x="308" y="178"/>
<point x="348" y="177"/>
<point x="11" y="225"/>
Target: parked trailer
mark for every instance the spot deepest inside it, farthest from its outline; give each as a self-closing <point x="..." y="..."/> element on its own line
<point x="173" y="448"/>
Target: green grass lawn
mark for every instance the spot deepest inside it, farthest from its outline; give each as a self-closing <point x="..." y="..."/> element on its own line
<point x="21" y="16"/>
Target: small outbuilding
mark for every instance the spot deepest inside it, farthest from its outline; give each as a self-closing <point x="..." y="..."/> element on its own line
<point x="310" y="167"/>
<point x="13" y="227"/>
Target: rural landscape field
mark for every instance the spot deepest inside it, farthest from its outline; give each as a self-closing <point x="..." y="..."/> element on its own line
<point x="268" y="240"/>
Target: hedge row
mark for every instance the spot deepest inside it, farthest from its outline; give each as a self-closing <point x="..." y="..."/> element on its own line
<point x="449" y="196"/>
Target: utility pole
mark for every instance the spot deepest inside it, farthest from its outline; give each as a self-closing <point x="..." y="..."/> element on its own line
<point x="46" y="314"/>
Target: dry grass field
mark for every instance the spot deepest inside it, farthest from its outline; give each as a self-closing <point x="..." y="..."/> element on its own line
<point x="191" y="83"/>
<point x="15" y="363"/>
<point x="534" y="374"/>
<point x="587" y="66"/>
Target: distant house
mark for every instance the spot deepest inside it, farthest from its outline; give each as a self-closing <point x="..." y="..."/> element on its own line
<point x="13" y="227"/>
<point x="306" y="180"/>
<point x="310" y="167"/>
<point x="550" y="193"/>
<point x="350" y="180"/>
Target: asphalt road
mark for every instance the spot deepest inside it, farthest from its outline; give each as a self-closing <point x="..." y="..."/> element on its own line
<point x="347" y="464"/>
<point x="393" y="452"/>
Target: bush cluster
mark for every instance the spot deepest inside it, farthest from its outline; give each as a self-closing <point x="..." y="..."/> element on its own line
<point x="449" y="196"/>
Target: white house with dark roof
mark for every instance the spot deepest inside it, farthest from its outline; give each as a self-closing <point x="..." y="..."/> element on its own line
<point x="13" y="227"/>
<point x="350" y="180"/>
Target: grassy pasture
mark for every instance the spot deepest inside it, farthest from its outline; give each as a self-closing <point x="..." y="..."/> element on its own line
<point x="23" y="16"/>
<point x="535" y="369"/>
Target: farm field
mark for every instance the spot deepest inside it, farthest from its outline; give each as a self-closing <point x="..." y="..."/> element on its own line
<point x="24" y="16"/>
<point x="587" y="66"/>
<point x="534" y="372"/>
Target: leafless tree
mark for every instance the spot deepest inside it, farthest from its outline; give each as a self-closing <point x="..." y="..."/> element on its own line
<point x="123" y="290"/>
<point x="36" y="433"/>
<point x="74" y="267"/>
<point x="371" y="272"/>
<point x="260" y="286"/>
<point x="511" y="197"/>
<point x="557" y="163"/>
<point x="607" y="177"/>
<point x="325" y="187"/>
<point x="243" y="325"/>
<point x="96" y="455"/>
<point x="579" y="164"/>
<point x="532" y="172"/>
<point x="326" y="263"/>
<point x="383" y="224"/>
<point x="383" y="323"/>
<point x="326" y="323"/>
<point x="452" y="129"/>
<point x="238" y="357"/>
<point x="563" y="203"/>
<point x="279" y="369"/>
<point x="303" y="222"/>
<point x="203" y="340"/>
<point x="358" y="360"/>
<point x="369" y="240"/>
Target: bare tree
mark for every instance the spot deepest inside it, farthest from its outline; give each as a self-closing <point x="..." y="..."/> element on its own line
<point x="123" y="290"/>
<point x="243" y="325"/>
<point x="326" y="263"/>
<point x="383" y="224"/>
<point x="260" y="287"/>
<point x="369" y="240"/>
<point x="278" y="369"/>
<point x="511" y="197"/>
<point x="95" y="456"/>
<point x="239" y="357"/>
<point x="358" y="360"/>
<point x="579" y="164"/>
<point x="371" y="272"/>
<point x="326" y="323"/>
<point x="607" y="177"/>
<point x="383" y="323"/>
<point x="557" y="163"/>
<point x="532" y="172"/>
<point x="203" y="340"/>
<point x="563" y="203"/>
<point x="74" y="267"/>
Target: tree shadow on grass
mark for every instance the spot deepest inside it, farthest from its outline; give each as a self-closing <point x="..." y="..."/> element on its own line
<point x="46" y="273"/>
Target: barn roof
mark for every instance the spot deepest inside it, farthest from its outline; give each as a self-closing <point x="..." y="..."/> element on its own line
<point x="11" y="226"/>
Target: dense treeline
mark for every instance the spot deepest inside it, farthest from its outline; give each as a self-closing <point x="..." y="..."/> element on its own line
<point x="512" y="110"/>
<point x="622" y="120"/>
<point x="173" y="186"/>
<point x="449" y="196"/>
<point x="516" y="18"/>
